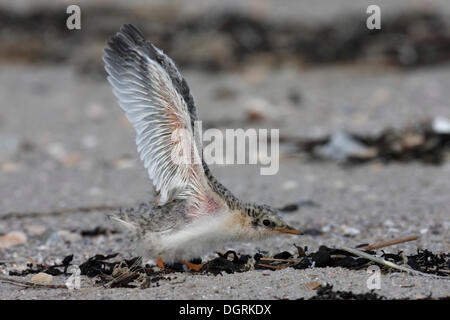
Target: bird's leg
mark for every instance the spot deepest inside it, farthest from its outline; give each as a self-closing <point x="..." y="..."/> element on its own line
<point x="193" y="266"/>
<point x="160" y="264"/>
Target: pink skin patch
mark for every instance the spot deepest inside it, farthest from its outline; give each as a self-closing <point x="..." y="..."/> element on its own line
<point x="207" y="206"/>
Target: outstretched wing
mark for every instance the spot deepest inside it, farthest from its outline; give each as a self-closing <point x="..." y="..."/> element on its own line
<point x="154" y="97"/>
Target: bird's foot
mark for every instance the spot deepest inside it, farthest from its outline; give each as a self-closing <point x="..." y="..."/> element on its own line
<point x="193" y="266"/>
<point x="160" y="264"/>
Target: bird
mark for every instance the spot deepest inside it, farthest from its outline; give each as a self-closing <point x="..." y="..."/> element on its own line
<point x="193" y="213"/>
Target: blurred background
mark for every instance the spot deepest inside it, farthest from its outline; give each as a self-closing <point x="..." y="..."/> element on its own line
<point x="363" y="114"/>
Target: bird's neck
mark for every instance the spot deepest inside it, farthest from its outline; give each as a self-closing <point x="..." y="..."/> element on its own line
<point x="230" y="199"/>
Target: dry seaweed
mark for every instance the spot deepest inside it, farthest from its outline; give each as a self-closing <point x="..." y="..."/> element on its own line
<point x="229" y="262"/>
<point x="120" y="274"/>
<point x="97" y="265"/>
<point x="424" y="261"/>
<point x="132" y="273"/>
<point x="419" y="143"/>
<point x="53" y="270"/>
<point x="327" y="293"/>
<point x="428" y="262"/>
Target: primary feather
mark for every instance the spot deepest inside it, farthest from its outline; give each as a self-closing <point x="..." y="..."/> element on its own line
<point x="157" y="102"/>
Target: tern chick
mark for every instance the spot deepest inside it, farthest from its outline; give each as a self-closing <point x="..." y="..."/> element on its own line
<point x="193" y="213"/>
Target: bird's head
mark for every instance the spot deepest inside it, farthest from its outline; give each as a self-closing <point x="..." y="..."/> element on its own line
<point x="265" y="220"/>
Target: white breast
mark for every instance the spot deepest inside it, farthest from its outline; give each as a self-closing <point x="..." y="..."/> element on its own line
<point x="202" y="236"/>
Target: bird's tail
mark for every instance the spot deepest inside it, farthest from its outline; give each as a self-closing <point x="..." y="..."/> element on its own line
<point x="132" y="219"/>
<point x="122" y="220"/>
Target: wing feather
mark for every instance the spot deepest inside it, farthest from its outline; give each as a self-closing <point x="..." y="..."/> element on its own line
<point x="157" y="101"/>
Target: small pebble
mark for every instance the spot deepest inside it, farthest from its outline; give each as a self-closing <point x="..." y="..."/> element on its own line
<point x="57" y="151"/>
<point x="36" y="229"/>
<point x="441" y="125"/>
<point x="12" y="239"/>
<point x="51" y="237"/>
<point x="313" y="285"/>
<point x="42" y="278"/>
<point x="69" y="236"/>
<point x="8" y="167"/>
<point x="349" y="231"/>
<point x="257" y="109"/>
<point x="388" y="223"/>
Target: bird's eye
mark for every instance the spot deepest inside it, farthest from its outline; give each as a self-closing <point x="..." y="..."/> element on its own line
<point x="266" y="222"/>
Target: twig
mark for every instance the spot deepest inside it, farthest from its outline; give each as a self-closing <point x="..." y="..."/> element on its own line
<point x="379" y="260"/>
<point x="124" y="273"/>
<point x="269" y="266"/>
<point x="31" y="284"/>
<point x="443" y="271"/>
<point x="436" y="269"/>
<point x="388" y="243"/>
